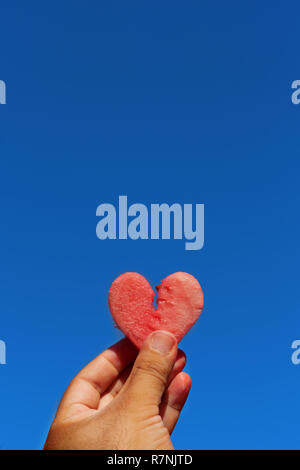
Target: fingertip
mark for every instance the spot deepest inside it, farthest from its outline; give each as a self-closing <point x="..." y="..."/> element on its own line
<point x="162" y="342"/>
<point x="121" y="353"/>
<point x="179" y="389"/>
<point x="181" y="356"/>
<point x="186" y="381"/>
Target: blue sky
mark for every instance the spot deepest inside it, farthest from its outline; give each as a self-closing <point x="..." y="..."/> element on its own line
<point x="163" y="102"/>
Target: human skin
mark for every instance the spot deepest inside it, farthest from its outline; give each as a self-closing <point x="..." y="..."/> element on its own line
<point x="124" y="400"/>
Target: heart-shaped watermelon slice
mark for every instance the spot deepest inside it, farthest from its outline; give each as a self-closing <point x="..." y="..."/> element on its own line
<point x="179" y="305"/>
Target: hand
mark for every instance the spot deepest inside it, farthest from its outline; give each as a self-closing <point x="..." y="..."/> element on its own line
<point x="113" y="404"/>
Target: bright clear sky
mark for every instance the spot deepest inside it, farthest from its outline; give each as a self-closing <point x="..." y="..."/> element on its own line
<point x="184" y="102"/>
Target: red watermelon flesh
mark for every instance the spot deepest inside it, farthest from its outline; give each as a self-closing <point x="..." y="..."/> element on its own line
<point x="179" y="304"/>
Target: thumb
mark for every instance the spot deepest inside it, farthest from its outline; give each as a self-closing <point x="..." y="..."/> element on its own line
<point x="149" y="376"/>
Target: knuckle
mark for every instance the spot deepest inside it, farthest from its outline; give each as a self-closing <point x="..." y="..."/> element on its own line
<point x="153" y="370"/>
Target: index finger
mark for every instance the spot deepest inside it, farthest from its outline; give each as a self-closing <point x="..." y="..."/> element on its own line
<point x="92" y="381"/>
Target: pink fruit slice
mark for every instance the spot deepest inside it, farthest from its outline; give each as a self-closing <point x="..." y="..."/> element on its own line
<point x="179" y="304"/>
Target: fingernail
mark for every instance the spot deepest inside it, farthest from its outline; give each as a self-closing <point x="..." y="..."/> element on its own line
<point x="162" y="342"/>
